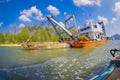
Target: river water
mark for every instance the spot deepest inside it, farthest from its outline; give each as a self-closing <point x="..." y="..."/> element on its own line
<point x="17" y="63"/>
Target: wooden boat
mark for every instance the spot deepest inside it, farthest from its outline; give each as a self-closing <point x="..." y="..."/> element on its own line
<point x="29" y="46"/>
<point x="113" y="71"/>
<point x="47" y="45"/>
<point x="87" y="43"/>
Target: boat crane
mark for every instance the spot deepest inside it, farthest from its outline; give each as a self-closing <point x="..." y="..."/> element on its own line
<point x="64" y="27"/>
<point x="76" y="41"/>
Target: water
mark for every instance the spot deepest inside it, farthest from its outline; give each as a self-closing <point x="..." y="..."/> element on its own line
<point x="56" y="64"/>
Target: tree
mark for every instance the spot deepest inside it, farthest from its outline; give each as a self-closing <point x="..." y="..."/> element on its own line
<point x="24" y="34"/>
<point x="2" y="39"/>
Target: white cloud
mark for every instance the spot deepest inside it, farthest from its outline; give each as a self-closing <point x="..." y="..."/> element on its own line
<point x="21" y="25"/>
<point x="87" y="2"/>
<point x="116" y="9"/>
<point x="89" y="21"/>
<point x="24" y="18"/>
<point x="65" y="13"/>
<point x="113" y="28"/>
<point x="32" y="13"/>
<point x="53" y="10"/>
<point x="105" y="20"/>
<point x="17" y="27"/>
<point x="115" y="21"/>
<point x="114" y="25"/>
<point x="1" y="23"/>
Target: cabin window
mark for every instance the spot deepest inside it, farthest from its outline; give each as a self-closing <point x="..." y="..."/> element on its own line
<point x="85" y="28"/>
<point x="82" y="30"/>
<point x="98" y="36"/>
<point x="88" y="27"/>
<point x="95" y="26"/>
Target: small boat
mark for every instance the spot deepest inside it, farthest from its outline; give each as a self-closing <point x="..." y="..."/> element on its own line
<point x="29" y="46"/>
<point x="87" y="43"/>
<point x="47" y="45"/>
<point x="113" y="71"/>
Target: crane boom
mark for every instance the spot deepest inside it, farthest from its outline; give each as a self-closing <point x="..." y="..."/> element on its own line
<point x="55" y="23"/>
<point x="63" y="27"/>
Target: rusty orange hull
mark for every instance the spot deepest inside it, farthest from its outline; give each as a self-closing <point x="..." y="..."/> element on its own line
<point x="87" y="43"/>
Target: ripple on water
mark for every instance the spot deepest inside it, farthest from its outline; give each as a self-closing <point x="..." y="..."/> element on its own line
<point x="73" y="66"/>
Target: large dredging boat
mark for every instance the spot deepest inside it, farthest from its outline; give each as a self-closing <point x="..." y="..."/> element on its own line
<point x="72" y="35"/>
<point x="89" y="35"/>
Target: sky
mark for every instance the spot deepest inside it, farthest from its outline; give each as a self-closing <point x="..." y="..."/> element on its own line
<point x="33" y="12"/>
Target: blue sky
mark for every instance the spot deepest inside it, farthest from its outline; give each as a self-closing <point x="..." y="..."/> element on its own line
<point x="30" y="12"/>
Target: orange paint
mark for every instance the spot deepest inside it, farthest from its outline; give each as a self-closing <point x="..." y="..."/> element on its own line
<point x="87" y="43"/>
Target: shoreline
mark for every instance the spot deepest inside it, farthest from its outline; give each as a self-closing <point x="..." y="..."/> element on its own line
<point x="20" y="44"/>
<point x="10" y="45"/>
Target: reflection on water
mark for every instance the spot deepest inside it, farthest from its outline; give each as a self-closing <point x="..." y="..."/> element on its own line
<point x="60" y="64"/>
<point x="11" y="57"/>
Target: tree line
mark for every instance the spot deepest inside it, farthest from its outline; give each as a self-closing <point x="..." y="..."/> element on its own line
<point x="40" y="34"/>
